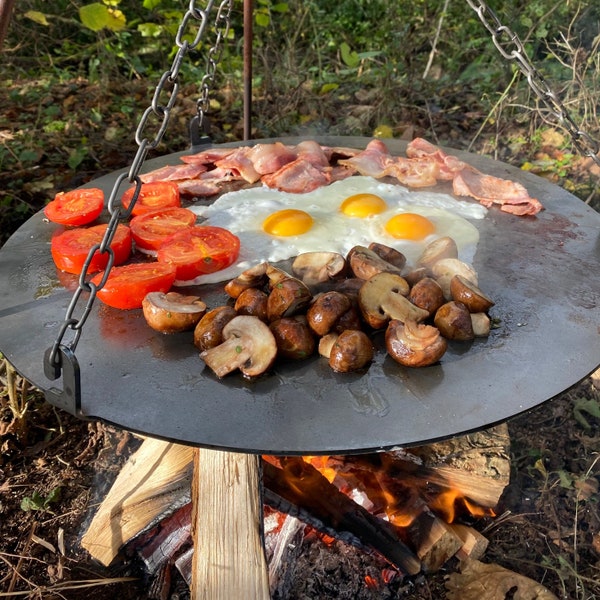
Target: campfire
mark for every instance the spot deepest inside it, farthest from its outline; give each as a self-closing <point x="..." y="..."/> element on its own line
<point x="412" y="508"/>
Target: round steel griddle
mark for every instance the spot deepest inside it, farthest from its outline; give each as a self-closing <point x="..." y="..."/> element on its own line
<point x="542" y="272"/>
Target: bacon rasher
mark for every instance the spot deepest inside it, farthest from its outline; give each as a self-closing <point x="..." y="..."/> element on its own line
<point x="308" y="165"/>
<point x="511" y="196"/>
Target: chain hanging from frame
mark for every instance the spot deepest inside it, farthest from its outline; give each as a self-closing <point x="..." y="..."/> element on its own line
<point x="512" y="49"/>
<point x="60" y="358"/>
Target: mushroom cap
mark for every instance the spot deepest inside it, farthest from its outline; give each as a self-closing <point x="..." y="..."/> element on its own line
<point x="318" y="267"/>
<point x="172" y="312"/>
<point x="414" y="344"/>
<point x="248" y="345"/>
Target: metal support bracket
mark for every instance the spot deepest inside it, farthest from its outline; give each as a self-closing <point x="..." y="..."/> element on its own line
<point x="69" y="398"/>
<point x="199" y="133"/>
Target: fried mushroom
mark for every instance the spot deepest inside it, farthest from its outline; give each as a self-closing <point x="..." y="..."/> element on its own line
<point x="414" y="344"/>
<point x="248" y="345"/>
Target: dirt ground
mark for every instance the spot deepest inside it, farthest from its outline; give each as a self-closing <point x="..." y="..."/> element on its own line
<point x="54" y="469"/>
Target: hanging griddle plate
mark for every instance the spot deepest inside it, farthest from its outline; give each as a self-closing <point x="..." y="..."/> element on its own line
<point x="542" y="272"/>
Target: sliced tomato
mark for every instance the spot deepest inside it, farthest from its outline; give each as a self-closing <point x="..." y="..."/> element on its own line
<point x="199" y="250"/>
<point x="71" y="248"/>
<point x="159" y="194"/>
<point x="151" y="229"/>
<point x="127" y="286"/>
<point x="77" y="207"/>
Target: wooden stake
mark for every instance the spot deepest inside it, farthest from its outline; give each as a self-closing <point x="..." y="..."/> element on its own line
<point x="229" y="560"/>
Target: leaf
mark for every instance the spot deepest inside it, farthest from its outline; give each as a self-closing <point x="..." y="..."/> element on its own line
<point x="280" y="7"/>
<point x="350" y="57"/>
<point x="76" y="157"/>
<point x="151" y="4"/>
<point x="37" y="17"/>
<point x="97" y="16"/>
<point x="591" y="407"/>
<point x="150" y="30"/>
<point x="481" y="581"/>
<point x="262" y="19"/>
<point x="328" y="87"/>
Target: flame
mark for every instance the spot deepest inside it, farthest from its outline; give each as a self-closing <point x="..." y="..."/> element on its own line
<point x="380" y="486"/>
<point x="447" y="504"/>
<point x="320" y="463"/>
<point x="371" y="582"/>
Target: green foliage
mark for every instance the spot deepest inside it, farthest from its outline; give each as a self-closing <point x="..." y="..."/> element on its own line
<point x="98" y="16"/>
<point x="38" y="502"/>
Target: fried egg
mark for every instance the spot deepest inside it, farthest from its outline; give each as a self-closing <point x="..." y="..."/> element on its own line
<point x="273" y="225"/>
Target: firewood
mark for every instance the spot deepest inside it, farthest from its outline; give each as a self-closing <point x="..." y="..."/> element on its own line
<point x="474" y="543"/>
<point x="433" y="540"/>
<point x="303" y="486"/>
<point x="156" y="479"/>
<point x="229" y="560"/>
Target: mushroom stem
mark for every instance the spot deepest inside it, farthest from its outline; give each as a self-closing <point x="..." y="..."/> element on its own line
<point x="227" y="356"/>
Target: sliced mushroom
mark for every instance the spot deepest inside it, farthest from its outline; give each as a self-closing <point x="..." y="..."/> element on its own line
<point x="172" y="312"/>
<point x="383" y="297"/>
<point x="389" y="254"/>
<point x="444" y="247"/>
<point x="427" y="294"/>
<point x="414" y="344"/>
<point x="288" y="297"/>
<point x="481" y="324"/>
<point x="252" y="301"/>
<point x="453" y="319"/>
<point x="248" y="345"/>
<point x="444" y="270"/>
<point x="352" y="350"/>
<point x="326" y="310"/>
<point x="294" y="338"/>
<point x="465" y="291"/>
<point x="254" y="277"/>
<point x="365" y="263"/>
<point x="209" y="330"/>
<point x="275" y="275"/>
<point x="318" y="267"/>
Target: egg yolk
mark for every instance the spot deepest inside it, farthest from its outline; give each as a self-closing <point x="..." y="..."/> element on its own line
<point x="288" y="222"/>
<point x="409" y="226"/>
<point x="363" y="205"/>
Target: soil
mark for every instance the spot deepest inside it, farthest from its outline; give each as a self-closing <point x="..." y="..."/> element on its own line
<point x="55" y="469"/>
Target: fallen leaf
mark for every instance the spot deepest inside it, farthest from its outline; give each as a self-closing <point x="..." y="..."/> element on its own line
<point x="481" y="581"/>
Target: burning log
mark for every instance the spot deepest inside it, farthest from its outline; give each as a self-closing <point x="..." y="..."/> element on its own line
<point x="399" y="505"/>
<point x="302" y="485"/>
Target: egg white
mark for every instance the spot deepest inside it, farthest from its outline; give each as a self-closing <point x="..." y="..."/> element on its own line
<point x="243" y="212"/>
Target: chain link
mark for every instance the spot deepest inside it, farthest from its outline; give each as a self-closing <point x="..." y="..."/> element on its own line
<point x="511" y="48"/>
<point x="154" y="119"/>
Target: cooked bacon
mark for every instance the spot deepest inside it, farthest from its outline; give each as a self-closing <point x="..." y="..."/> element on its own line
<point x="199" y="187"/>
<point x="174" y="173"/>
<point x="269" y="158"/>
<point x="239" y="164"/>
<point x="308" y="166"/>
<point x="313" y="153"/>
<point x="335" y="153"/>
<point x="414" y="172"/>
<point x="374" y="161"/>
<point x="489" y="190"/>
<point x="208" y="156"/>
<point x="448" y="165"/>
<point x="297" y="177"/>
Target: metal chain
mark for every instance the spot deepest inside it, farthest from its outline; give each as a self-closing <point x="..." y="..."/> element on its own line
<point x="157" y="115"/>
<point x="511" y="48"/>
